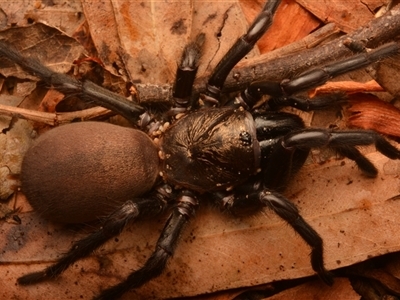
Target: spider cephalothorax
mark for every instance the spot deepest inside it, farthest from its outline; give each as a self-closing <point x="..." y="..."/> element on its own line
<point x="236" y="156"/>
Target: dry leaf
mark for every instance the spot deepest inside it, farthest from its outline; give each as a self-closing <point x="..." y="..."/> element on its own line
<point x="347" y="15"/>
<point x="15" y="139"/>
<point x="350" y="87"/>
<point x="369" y="112"/>
<point x="342" y="289"/>
<point x="47" y="44"/>
<point x="388" y="76"/>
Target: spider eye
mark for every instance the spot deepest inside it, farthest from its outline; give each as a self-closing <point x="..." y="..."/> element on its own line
<point x="245" y="137"/>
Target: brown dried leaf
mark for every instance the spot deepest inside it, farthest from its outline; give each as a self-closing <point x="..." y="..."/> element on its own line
<point x="103" y="31"/>
<point x="347" y="15"/>
<point x="388" y="76"/>
<point x="64" y="15"/>
<point x="350" y="87"/>
<point x="369" y="112"/>
<point x="342" y="289"/>
<point x="150" y="43"/>
<point x="50" y="46"/>
<point x="15" y="139"/>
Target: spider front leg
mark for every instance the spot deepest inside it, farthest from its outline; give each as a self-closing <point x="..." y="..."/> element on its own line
<point x="282" y="91"/>
<point x="165" y="248"/>
<point x="111" y="227"/>
<point x="342" y="141"/>
<point x="86" y="90"/>
<point x="187" y="70"/>
<point x="241" y="47"/>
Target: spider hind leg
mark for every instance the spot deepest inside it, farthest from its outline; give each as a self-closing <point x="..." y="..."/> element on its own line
<point x="165" y="247"/>
<point x="113" y="225"/>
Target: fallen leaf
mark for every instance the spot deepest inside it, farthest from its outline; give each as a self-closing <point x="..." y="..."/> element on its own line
<point x="15" y="138"/>
<point x="342" y="289"/>
<point x="388" y="76"/>
<point x="350" y="87"/>
<point x="46" y="44"/>
<point x="369" y="112"/>
<point x="347" y="15"/>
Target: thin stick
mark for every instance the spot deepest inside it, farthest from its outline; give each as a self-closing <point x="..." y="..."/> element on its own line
<point x="53" y="119"/>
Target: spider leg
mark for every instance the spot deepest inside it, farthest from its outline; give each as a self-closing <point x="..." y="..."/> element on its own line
<point x="362" y="162"/>
<point x="241" y="47"/>
<point x="289" y="212"/>
<point x="256" y="196"/>
<point x="86" y="90"/>
<point x="314" y="77"/>
<point x="112" y="226"/>
<point x="187" y="70"/>
<point x="344" y="142"/>
<point x="165" y="248"/>
<point x="307" y="104"/>
<point x="318" y="77"/>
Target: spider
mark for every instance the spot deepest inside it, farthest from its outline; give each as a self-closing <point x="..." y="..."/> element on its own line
<point x="239" y="157"/>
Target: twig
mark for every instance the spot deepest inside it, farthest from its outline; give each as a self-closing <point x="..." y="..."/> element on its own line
<point x="53" y="119"/>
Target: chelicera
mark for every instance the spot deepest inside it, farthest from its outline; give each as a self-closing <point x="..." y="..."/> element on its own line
<point x="239" y="157"/>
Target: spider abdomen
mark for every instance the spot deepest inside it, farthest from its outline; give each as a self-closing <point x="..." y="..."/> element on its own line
<point x="211" y="149"/>
<point x="82" y="171"/>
